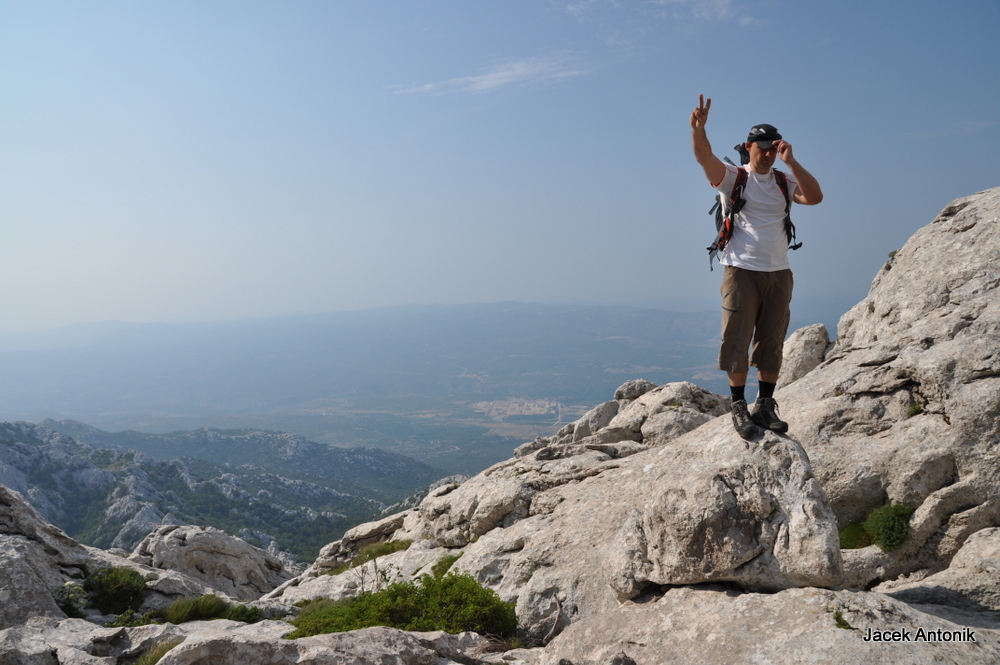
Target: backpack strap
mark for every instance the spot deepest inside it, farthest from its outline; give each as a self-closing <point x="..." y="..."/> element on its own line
<point x="782" y="181"/>
<point x="724" y="215"/>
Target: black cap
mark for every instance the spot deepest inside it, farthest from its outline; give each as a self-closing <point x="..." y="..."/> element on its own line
<point x="764" y="136"/>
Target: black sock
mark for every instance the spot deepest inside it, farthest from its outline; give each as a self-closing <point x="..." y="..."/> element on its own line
<point x="766" y="389"/>
<point x="738" y="392"/>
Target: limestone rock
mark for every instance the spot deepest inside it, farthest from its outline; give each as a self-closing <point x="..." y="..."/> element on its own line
<point x="634" y="389"/>
<point x="42" y="641"/>
<point x="221" y="561"/>
<point x="661" y="414"/>
<point x="36" y="559"/>
<point x="713" y="626"/>
<point x="971" y="582"/>
<point x="595" y="419"/>
<point x="803" y="351"/>
<point x="906" y="406"/>
<point x="164" y="585"/>
<point x="703" y="508"/>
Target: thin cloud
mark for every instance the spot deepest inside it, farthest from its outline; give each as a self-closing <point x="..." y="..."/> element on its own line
<point x="676" y="10"/>
<point x="503" y="75"/>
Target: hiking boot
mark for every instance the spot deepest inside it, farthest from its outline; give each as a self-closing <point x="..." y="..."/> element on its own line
<point x="742" y="420"/>
<point x="765" y="414"/>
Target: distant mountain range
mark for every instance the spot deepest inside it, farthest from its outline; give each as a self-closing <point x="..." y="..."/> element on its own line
<point x="424" y="381"/>
<point x="457" y="387"/>
<point x="277" y="491"/>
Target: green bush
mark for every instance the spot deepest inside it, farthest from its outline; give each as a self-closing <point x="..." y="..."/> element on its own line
<point x="854" y="537"/>
<point x="889" y="526"/>
<point x="914" y="409"/>
<point x="453" y="603"/>
<point x="115" y="590"/>
<point x="207" y="608"/>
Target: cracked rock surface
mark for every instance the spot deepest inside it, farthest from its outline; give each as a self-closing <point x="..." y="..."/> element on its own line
<point x="221" y="561"/>
<point x="906" y="406"/>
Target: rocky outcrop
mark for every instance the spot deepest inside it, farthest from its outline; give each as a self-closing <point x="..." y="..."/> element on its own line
<point x="36" y="559"/>
<point x="45" y="641"/>
<point x="717" y="626"/>
<point x="905" y="406"/>
<point x="221" y="561"/>
<point x="971" y="582"/>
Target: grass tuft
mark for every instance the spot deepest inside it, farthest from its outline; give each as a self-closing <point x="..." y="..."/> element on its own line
<point x="207" y="608"/>
<point x="445" y="564"/>
<point x="372" y="552"/>
<point x="841" y="622"/>
<point x="154" y="655"/>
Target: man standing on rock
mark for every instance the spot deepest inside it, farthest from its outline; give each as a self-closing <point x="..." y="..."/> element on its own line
<point x="757" y="284"/>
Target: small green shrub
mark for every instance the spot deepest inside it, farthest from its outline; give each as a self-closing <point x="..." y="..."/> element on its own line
<point x="115" y="590"/>
<point x="72" y="599"/>
<point x="453" y="603"/>
<point x="854" y="536"/>
<point x="914" y="409"/>
<point x="154" y="655"/>
<point x="889" y="526"/>
<point x="445" y="564"/>
<point x="207" y="608"/>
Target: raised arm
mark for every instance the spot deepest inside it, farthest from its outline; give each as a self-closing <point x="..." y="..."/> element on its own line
<point x="808" y="192"/>
<point x="715" y="170"/>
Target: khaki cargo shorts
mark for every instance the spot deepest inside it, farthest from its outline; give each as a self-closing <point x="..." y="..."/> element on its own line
<point x="754" y="309"/>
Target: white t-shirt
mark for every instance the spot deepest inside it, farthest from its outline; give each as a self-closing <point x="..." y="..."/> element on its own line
<point x="759" y="241"/>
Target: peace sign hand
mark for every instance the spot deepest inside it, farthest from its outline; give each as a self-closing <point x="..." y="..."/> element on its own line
<point x="700" y="115"/>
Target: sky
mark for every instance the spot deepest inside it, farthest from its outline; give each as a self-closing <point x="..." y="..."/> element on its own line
<point x="203" y="161"/>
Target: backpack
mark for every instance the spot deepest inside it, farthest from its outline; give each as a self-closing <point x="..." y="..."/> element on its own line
<point x="724" y="210"/>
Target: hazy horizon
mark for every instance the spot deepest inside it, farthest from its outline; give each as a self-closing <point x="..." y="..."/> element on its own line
<point x="191" y="162"/>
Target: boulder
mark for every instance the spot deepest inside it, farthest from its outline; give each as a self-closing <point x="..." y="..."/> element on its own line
<point x="223" y="562"/>
<point x="803" y="351"/>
